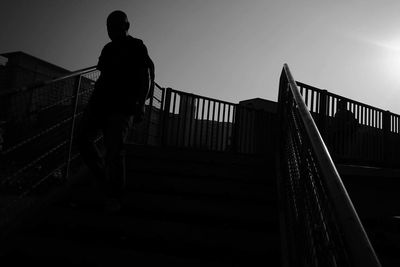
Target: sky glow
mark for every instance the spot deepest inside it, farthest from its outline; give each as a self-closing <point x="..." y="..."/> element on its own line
<point x="228" y="49"/>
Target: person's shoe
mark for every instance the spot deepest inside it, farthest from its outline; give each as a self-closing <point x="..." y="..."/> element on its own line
<point x="112" y="205"/>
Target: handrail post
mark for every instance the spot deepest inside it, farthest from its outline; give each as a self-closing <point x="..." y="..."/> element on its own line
<point x="283" y="229"/>
<point x="167" y="106"/>
<point x="237" y="127"/>
<point x="323" y="113"/>
<point x="386" y="126"/>
<point x="75" y="101"/>
<point x="149" y="113"/>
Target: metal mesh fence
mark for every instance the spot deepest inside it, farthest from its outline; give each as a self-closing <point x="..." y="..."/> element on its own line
<point x="37" y="128"/>
<point x="354" y="132"/>
<point x="313" y="223"/>
<point x="319" y="224"/>
<point x="199" y="122"/>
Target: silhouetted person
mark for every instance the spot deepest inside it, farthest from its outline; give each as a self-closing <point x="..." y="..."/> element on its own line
<point x="345" y="126"/>
<point x="127" y="76"/>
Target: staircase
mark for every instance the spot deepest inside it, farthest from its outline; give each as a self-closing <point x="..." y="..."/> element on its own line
<point x="181" y="208"/>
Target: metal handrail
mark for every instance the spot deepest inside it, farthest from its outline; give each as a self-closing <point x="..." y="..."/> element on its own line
<point x="307" y="86"/>
<point x="68" y="95"/>
<point x="355" y="236"/>
<point x="47" y="82"/>
<point x="203" y="97"/>
<point x="63" y="77"/>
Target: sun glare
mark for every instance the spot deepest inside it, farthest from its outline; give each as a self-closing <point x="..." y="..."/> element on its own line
<point x="389" y="60"/>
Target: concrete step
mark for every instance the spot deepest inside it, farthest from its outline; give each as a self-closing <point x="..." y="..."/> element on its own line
<point x="133" y="233"/>
<point x="207" y="207"/>
<point x="197" y="156"/>
<point x="47" y="251"/>
<point x="245" y="174"/>
<point x="185" y="208"/>
<point x="99" y="228"/>
<point x="181" y="208"/>
<point x="160" y="182"/>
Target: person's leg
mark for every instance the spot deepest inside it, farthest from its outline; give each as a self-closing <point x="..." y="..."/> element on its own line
<point x="88" y="131"/>
<point x="115" y="132"/>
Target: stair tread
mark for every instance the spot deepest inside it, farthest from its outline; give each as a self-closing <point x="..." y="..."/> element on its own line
<point x="67" y="252"/>
<point x="68" y="223"/>
<point x="181" y="207"/>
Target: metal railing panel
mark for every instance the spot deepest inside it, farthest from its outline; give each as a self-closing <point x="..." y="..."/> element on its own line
<point x="199" y="122"/>
<point x="360" y="138"/>
<point x="318" y="220"/>
<point x="38" y="124"/>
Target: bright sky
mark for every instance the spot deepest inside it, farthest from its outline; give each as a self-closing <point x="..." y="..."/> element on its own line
<point x="227" y="49"/>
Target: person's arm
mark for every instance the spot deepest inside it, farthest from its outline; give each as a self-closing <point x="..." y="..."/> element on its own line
<point x="152" y="77"/>
<point x="101" y="62"/>
<point x="150" y="66"/>
<point x="148" y="92"/>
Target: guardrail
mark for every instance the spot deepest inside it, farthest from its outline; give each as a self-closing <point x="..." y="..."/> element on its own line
<point x="40" y="124"/>
<point x="200" y="122"/>
<point x="364" y="135"/>
<point x="319" y="224"/>
<point x="38" y="130"/>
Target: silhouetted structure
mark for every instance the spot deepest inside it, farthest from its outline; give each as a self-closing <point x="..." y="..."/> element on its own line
<point x="345" y="127"/>
<point x="22" y="69"/>
<point x="194" y="206"/>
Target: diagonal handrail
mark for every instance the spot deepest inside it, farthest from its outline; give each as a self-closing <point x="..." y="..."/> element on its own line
<point x="47" y="82"/>
<point x="360" y="250"/>
<point x="51" y="81"/>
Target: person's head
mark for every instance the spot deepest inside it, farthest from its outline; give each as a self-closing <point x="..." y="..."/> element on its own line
<point x="342" y="104"/>
<point x="117" y="25"/>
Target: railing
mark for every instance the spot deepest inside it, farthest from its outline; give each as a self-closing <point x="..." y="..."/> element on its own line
<point x="38" y="131"/>
<point x="199" y="122"/>
<point x="366" y="135"/>
<point x="39" y="126"/>
<point x="320" y="226"/>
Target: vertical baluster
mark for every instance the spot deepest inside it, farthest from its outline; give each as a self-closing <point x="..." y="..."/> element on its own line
<point x="228" y="127"/>
<point x="223" y="127"/>
<point x="186" y="119"/>
<point x="212" y="126"/>
<point x="374" y="133"/>
<point x="202" y="122"/>
<point x="234" y="133"/>
<point x="208" y="124"/>
<point x="174" y="121"/>
<point x="370" y="117"/>
<point x="218" y="126"/>
<point x="336" y="136"/>
<point x="380" y="136"/>
<point x="160" y="122"/>
<point x="191" y="118"/>
<point x="75" y="101"/>
<point x="149" y="116"/>
<point x="196" y="134"/>
<point x="311" y="108"/>
<point x="306" y="97"/>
